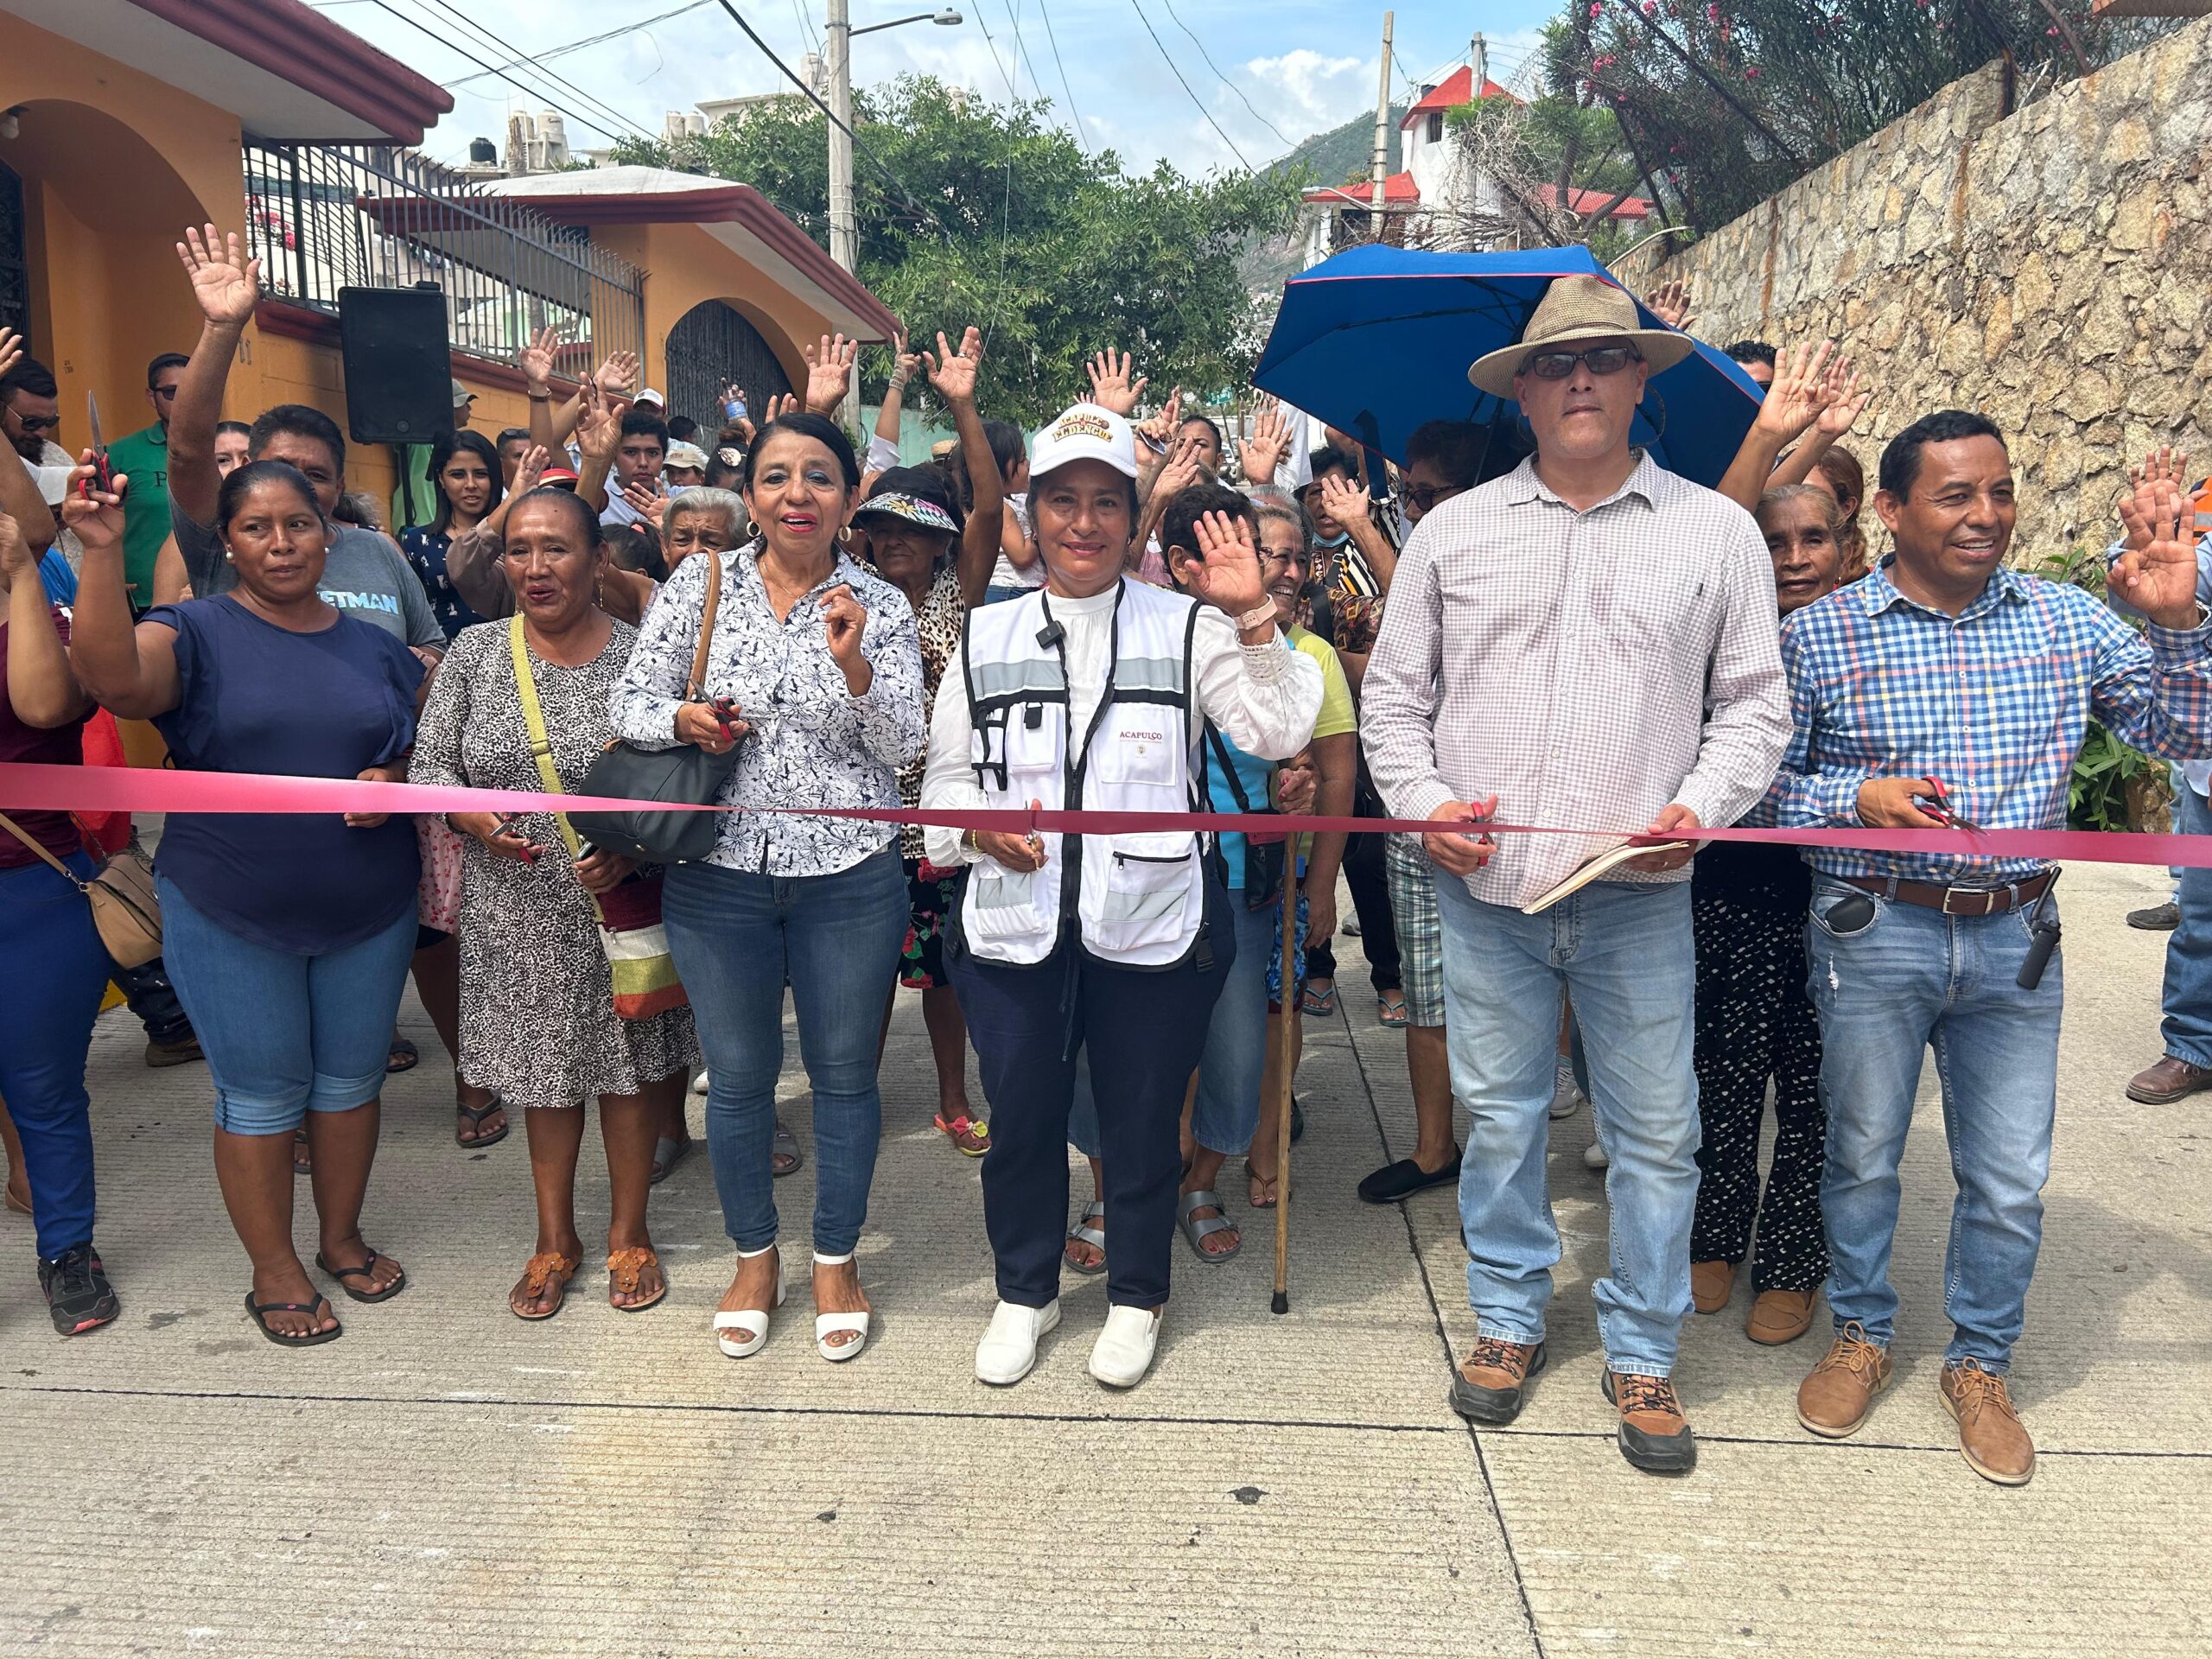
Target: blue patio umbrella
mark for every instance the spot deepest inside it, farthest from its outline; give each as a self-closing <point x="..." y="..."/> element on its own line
<point x="1378" y="339"/>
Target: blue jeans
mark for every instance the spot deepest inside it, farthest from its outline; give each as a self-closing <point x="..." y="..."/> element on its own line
<point x="1626" y="954"/>
<point x="2187" y="1024"/>
<point x="1911" y="978"/>
<point x="998" y="592"/>
<point x="1227" y="1112"/>
<point x="738" y="937"/>
<point x="285" y="1035"/>
<point x="54" y="973"/>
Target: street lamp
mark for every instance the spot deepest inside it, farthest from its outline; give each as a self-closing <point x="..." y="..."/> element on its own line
<point x="844" y="236"/>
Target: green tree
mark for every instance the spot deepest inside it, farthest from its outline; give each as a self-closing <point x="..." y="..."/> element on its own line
<point x="1001" y="220"/>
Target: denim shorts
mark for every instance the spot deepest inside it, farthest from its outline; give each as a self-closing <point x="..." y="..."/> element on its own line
<point x="285" y="1035"/>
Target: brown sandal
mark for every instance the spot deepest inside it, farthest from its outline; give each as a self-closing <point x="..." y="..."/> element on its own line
<point x="625" y="1271"/>
<point x="545" y="1268"/>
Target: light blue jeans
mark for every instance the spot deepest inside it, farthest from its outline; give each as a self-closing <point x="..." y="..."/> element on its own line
<point x="2187" y="1026"/>
<point x="1625" y="953"/>
<point x="1911" y="978"/>
<point x="737" y="937"/>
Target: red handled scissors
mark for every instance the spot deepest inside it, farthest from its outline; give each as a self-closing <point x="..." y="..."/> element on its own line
<point x="103" y="476"/>
<point x="1940" y="810"/>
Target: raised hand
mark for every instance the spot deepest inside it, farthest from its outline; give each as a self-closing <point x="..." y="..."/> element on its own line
<point x="2157" y="572"/>
<point x="11" y="349"/>
<point x="1228" y="575"/>
<point x="536" y="359"/>
<point x="599" y="433"/>
<point x="2164" y="464"/>
<point x="1670" y="302"/>
<point x="1111" y="385"/>
<point x="904" y="364"/>
<point x="94" y="514"/>
<point x="530" y="470"/>
<point x="1263" y="452"/>
<point x="827" y="367"/>
<point x="952" y="374"/>
<point x="1162" y="426"/>
<point x="1847" y="401"/>
<point x="225" y="283"/>
<point x="1800" y="391"/>
<point x="786" y="404"/>
<point x="1181" y="470"/>
<point x="1343" y="500"/>
<point x="646" y="499"/>
<point x="618" y="375"/>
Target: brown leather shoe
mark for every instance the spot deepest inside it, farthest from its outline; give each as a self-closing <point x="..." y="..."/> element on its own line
<point x="1487" y="1388"/>
<point x="1838" y="1393"/>
<point x="1991" y="1437"/>
<point x="2170" y="1080"/>
<point x="1712" y="1283"/>
<point x="1780" y="1316"/>
<point x="1655" y="1436"/>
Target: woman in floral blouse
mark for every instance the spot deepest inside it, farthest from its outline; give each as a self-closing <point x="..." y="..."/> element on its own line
<point x="814" y="672"/>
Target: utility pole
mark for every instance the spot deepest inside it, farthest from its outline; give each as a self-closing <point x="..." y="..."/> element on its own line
<point x="1479" y="60"/>
<point x="844" y="239"/>
<point x="1379" y="165"/>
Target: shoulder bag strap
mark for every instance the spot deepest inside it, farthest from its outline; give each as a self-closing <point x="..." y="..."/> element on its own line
<point x="694" y="689"/>
<point x="533" y="720"/>
<point x="24" y="836"/>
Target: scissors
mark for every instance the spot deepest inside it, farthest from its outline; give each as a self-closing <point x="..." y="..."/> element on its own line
<point x="1940" y="810"/>
<point x="102" y="474"/>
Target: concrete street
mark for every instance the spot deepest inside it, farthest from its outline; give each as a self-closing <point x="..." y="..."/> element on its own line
<point x="447" y="1480"/>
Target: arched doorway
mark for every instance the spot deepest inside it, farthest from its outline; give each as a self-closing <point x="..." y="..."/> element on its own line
<point x="712" y="344"/>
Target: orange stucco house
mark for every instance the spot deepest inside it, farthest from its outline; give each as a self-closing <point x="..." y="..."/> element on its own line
<point x="133" y="119"/>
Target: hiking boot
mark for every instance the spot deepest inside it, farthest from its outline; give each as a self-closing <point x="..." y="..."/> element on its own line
<point x="1991" y="1437"/>
<point x="1712" y="1283"/>
<point x="1487" y="1387"/>
<point x="182" y="1052"/>
<point x="77" y="1294"/>
<point x="2170" y="1080"/>
<point x="1838" y="1393"/>
<point x="1655" y="1436"/>
<point x="1780" y="1316"/>
<point x="2158" y="919"/>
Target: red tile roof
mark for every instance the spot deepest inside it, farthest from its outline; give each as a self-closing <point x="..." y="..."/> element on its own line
<point x="1455" y="89"/>
<point x="1398" y="190"/>
<point x="1589" y="201"/>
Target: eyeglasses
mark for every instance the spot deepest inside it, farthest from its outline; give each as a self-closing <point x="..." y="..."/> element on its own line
<point x="1424" y="498"/>
<point x="1602" y="359"/>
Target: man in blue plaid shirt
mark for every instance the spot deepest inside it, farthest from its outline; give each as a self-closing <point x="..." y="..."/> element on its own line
<point x="1944" y="688"/>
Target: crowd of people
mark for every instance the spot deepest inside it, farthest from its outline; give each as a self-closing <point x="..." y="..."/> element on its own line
<point x="1131" y="613"/>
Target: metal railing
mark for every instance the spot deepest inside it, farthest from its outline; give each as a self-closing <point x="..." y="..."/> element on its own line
<point x="323" y="218"/>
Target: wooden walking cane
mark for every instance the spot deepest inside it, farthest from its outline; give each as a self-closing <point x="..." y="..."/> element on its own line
<point x="1287" y="1058"/>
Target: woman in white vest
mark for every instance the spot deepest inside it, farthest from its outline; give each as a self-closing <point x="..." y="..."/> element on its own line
<point x="1089" y="694"/>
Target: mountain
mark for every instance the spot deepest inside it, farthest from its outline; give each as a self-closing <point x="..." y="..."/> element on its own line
<point x="1342" y="153"/>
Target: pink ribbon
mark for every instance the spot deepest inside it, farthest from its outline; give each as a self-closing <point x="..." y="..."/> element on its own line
<point x="118" y="789"/>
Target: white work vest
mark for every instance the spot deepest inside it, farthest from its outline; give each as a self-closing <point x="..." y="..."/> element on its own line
<point x="1135" y="899"/>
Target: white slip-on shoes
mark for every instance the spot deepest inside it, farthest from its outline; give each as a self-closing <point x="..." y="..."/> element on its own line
<point x="755" y="1320"/>
<point x="1123" y="1352"/>
<point x="1008" y="1349"/>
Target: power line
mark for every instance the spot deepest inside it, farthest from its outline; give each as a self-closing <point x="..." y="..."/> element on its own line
<point x="527" y="91"/>
<point x="1021" y="48"/>
<point x="992" y="47"/>
<point x="1185" y="85"/>
<point x="589" y="101"/>
<point x="1225" y="80"/>
<point x="562" y="51"/>
<point x="1063" y="69"/>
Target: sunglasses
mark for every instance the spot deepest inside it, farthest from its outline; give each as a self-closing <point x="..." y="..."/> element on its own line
<point x="1602" y="359"/>
<point x="37" y="423"/>
<point x="1424" y="497"/>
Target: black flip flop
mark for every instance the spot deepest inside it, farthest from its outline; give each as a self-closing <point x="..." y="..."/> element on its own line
<point x="366" y="1270"/>
<point x="302" y="1162"/>
<point x="476" y="1114"/>
<point x="261" y="1310"/>
<point x="402" y="1056"/>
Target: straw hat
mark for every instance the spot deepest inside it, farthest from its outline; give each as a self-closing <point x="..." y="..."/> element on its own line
<point x="1576" y="309"/>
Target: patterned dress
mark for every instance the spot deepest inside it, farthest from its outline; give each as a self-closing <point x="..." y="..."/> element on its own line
<point x="538" y="1019"/>
<point x="929" y="891"/>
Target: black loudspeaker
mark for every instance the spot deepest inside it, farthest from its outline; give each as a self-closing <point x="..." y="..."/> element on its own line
<point x="398" y="370"/>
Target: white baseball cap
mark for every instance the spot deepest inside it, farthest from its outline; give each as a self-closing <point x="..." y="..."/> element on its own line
<point x="649" y="396"/>
<point x="1084" y="432"/>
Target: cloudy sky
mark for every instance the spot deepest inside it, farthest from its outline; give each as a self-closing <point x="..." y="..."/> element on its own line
<point x="1285" y="70"/>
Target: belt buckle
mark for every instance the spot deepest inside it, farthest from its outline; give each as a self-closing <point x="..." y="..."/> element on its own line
<point x="1945" y="907"/>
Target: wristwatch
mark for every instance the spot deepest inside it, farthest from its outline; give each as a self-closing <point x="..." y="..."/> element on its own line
<point x="1260" y="616"/>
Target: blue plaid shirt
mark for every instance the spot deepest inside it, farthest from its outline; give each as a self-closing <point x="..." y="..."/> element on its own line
<point x="1995" y="702"/>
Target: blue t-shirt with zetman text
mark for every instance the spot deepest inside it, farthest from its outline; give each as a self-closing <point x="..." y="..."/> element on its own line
<point x="258" y="698"/>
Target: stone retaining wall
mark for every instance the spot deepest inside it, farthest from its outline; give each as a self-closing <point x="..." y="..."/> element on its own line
<point x="2052" y="268"/>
